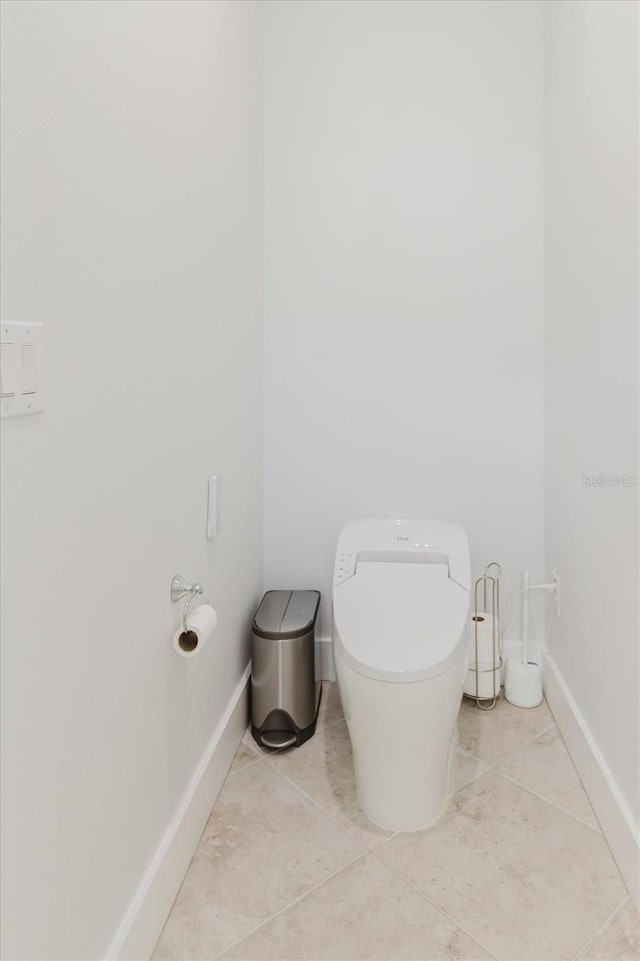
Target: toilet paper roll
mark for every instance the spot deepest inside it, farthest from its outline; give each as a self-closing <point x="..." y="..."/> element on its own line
<point x="201" y="625"/>
<point x="484" y="622"/>
<point x="481" y="684"/>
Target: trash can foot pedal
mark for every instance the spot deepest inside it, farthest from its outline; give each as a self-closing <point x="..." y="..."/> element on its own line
<point x="280" y="731"/>
<point x="278" y="739"/>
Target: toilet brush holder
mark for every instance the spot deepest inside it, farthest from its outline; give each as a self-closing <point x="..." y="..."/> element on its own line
<point x="522" y="677"/>
<point x="522" y="683"/>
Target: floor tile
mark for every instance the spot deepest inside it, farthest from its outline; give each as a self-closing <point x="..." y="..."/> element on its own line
<point x="545" y="766"/>
<point x="264" y="846"/>
<point x="620" y="940"/>
<point x="492" y="735"/>
<point x="465" y="767"/>
<point x="330" y="706"/>
<point x="323" y="769"/>
<point x="529" y="881"/>
<point x="249" y="741"/>
<point x="366" y="912"/>
<point x="244" y="755"/>
<point x="163" y="951"/>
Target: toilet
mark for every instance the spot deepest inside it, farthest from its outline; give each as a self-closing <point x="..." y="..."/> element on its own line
<point x="401" y="598"/>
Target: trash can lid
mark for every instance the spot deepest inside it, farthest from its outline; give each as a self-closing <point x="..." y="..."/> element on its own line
<point x="286" y="613"/>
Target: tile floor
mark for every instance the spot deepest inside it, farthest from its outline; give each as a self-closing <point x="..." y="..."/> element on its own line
<point x="288" y="869"/>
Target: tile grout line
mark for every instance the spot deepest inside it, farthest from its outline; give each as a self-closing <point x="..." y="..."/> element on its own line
<point x="164" y="935"/>
<point x="493" y="765"/>
<point x="553" y="804"/>
<point x="325" y="727"/>
<point x="605" y="924"/>
<point x="273" y="767"/>
<point x="242" y="768"/>
<point x="436" y="907"/>
<point x="490" y="764"/>
<point x="256" y="758"/>
<point x="291" y="904"/>
<point x="322" y="810"/>
<point x="495" y="768"/>
<point x="521" y="747"/>
<point x="476" y="777"/>
<point x="510" y="754"/>
<point x="516" y="750"/>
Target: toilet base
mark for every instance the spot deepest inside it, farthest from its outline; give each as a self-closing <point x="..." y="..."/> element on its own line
<point x="402" y="736"/>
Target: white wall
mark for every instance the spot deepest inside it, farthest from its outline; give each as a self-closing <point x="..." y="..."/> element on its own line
<point x="133" y="230"/>
<point x="591" y="366"/>
<point x="403" y="277"/>
<point x="404" y="367"/>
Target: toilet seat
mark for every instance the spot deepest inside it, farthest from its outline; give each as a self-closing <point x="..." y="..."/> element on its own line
<point x="400" y="622"/>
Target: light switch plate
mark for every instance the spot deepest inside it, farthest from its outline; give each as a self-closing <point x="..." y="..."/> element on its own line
<point x="21" y="381"/>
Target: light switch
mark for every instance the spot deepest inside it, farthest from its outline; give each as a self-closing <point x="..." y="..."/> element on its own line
<point x="22" y="379"/>
<point x="9" y="370"/>
<point x="29" y="368"/>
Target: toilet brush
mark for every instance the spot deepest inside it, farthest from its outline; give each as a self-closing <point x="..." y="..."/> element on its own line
<point x="523" y="682"/>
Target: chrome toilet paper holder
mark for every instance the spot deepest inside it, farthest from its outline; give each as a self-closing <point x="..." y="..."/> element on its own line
<point x="179" y="589"/>
<point x="492" y="582"/>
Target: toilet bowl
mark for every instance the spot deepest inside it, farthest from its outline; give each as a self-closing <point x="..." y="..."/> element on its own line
<point x="401" y="596"/>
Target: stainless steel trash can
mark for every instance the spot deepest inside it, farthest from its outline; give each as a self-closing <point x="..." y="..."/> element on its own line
<point x="284" y="694"/>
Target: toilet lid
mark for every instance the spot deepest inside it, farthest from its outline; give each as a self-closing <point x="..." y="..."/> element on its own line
<point x="400" y="622"/>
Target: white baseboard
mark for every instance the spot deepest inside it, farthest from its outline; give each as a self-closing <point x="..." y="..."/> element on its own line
<point x="325" y="670"/>
<point x="613" y="812"/>
<point x="143" y="923"/>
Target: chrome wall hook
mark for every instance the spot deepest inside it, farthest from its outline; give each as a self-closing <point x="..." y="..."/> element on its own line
<point x="179" y="589"/>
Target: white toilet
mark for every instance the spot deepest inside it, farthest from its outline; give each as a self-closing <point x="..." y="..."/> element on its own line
<point x="401" y="596"/>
